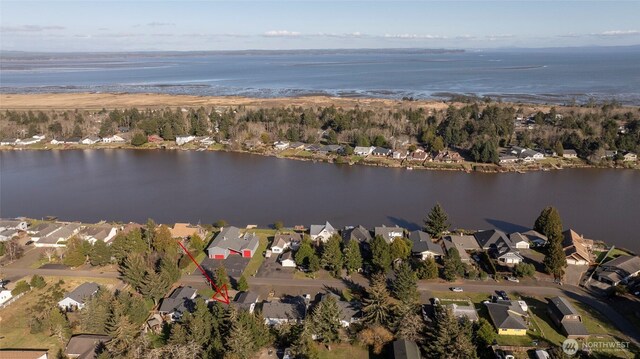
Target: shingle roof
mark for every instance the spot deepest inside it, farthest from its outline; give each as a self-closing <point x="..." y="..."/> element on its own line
<point x="489" y="237"/>
<point x="179" y="300"/>
<point x="561" y="306"/>
<point x="230" y="238"/>
<point x="466" y="242"/>
<point x="83" y="291"/>
<point x="625" y="265"/>
<point x="23" y="353"/>
<point x="83" y="346"/>
<point x="422" y="243"/>
<point x="389" y="233"/>
<point x="405" y="349"/>
<point x="506" y="316"/>
<point x="315" y="229"/>
<point x="358" y="233"/>
<point x="280" y="310"/>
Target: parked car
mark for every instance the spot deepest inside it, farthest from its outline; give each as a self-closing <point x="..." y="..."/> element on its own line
<point x="502" y="294"/>
<point x="456" y="289"/>
<point x="28" y="243"/>
<point x="513" y="279"/>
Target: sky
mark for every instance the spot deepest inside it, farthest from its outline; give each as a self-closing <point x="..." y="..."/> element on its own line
<point x="61" y="26"/>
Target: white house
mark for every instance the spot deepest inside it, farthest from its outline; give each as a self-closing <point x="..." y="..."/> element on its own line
<point x="519" y="241"/>
<point x="286" y="260"/>
<point x="283" y="241"/>
<point x="27" y="141"/>
<point x="363" y="151"/>
<point x="5" y="296"/>
<point x="78" y="297"/>
<point x="207" y="141"/>
<point x="281" y="145"/>
<point x="8" y="141"/>
<point x="181" y="140"/>
<point x="16" y="224"/>
<point x="279" y="313"/>
<point x="322" y="232"/>
<point x="98" y="232"/>
<point x="91" y="140"/>
<point x="111" y="139"/>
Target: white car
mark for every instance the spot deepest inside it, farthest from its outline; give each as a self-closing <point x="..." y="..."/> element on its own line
<point x="513" y="279"/>
<point x="456" y="289"/>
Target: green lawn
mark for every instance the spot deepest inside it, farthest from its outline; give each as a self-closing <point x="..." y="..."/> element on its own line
<point x="342" y="351"/>
<point x="258" y="258"/>
<point x="614" y="253"/>
<point x="192" y="266"/>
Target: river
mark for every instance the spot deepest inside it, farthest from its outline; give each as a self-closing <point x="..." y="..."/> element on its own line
<point x="184" y="186"/>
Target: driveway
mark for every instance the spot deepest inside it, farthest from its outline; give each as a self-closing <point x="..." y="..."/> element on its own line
<point x="272" y="269"/>
<point x="574" y="273"/>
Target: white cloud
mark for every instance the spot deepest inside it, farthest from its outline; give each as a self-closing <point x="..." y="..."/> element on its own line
<point x="281" y="33"/>
<point x="159" y="24"/>
<point x="619" y="33"/>
<point x="30" y="28"/>
<point x="415" y="37"/>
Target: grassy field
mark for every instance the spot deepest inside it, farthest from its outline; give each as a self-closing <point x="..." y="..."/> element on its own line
<point x="14" y="329"/>
<point x="614" y="253"/>
<point x="266" y="236"/>
<point x="192" y="266"/>
<point x="342" y="351"/>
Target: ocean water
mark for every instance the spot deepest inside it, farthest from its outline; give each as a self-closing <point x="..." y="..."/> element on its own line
<point x="544" y="75"/>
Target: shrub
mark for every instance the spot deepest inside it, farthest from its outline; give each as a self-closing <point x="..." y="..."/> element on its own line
<point x="38" y="282"/>
<point x="21" y="287"/>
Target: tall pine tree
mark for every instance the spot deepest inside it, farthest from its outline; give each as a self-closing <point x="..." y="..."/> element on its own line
<point x="436" y="222"/>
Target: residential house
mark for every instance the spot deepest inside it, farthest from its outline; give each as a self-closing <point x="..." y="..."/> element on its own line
<point x="187" y="230"/>
<point x="389" y="233"/>
<point x="231" y="242"/>
<point x="98" y="232"/>
<point x="181" y="300"/>
<point x="566" y="317"/>
<point x="72" y="140"/>
<point x="322" y="232"/>
<point x="59" y="236"/>
<point x="506" y="159"/>
<point x="182" y="140"/>
<point x="508" y="317"/>
<point x="78" y="297"/>
<point x="90" y="140"/>
<point x="5" y="296"/>
<point x="487" y="239"/>
<point x="24" y="353"/>
<point x="112" y="139"/>
<point x="154" y="324"/>
<point x="526" y="154"/>
<point x="349" y="311"/>
<point x="207" y="141"/>
<point x="406" y="349"/>
<point x="448" y="156"/>
<point x="363" y="151"/>
<point x="359" y="234"/>
<point x="42" y="230"/>
<point x="463" y="244"/>
<point x="569" y="154"/>
<point x="519" y="241"/>
<point x="619" y="270"/>
<point x="466" y="310"/>
<point x="330" y="149"/>
<point x="419" y="155"/>
<point x="286" y="260"/>
<point x="423" y="246"/>
<point x="284" y="241"/>
<point x="246" y="301"/>
<point x="609" y="154"/>
<point x="312" y="147"/>
<point x="381" y="152"/>
<point x="86" y="346"/>
<point x="28" y="141"/>
<point x="154" y="139"/>
<point x="535" y="238"/>
<point x="630" y="157"/>
<point x="8" y="141"/>
<point x="281" y="145"/>
<point x="399" y="154"/>
<point x="577" y="249"/>
<point x="293" y="311"/>
<point x="296" y="146"/>
<point x="16" y="224"/>
<point x="8" y="234"/>
<point x="502" y="251"/>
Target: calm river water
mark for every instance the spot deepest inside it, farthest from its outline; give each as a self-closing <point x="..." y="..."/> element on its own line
<point x="171" y="186"/>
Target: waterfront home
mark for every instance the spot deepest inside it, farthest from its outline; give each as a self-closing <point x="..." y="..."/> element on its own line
<point x="42" y="230"/>
<point x="423" y="246"/>
<point x="505" y="254"/>
<point x="293" y="311"/>
<point x="363" y="151"/>
<point x="113" y="139"/>
<point x="381" y="152"/>
<point x="609" y="154"/>
<point x="312" y="147"/>
<point x="286" y="260"/>
<point x="16" y="224"/>
<point x="506" y="159"/>
<point x="330" y="149"/>
<point x="27" y="141"/>
<point x="231" y="242"/>
<point x="187" y="230"/>
<point x="5" y="296"/>
<point x="359" y="234"/>
<point x="296" y="146"/>
<point x="246" y="301"/>
<point x="90" y="140"/>
<point x="399" y="155"/>
<point x="8" y="234"/>
<point x="526" y="154"/>
<point x="448" y="156"/>
<point x="154" y="139"/>
<point x="84" y="346"/>
<point x="466" y="310"/>
<point x="72" y="141"/>
<point x="207" y="141"/>
<point x="535" y="238"/>
<point x="283" y="241"/>
<point x="630" y="157"/>
<point x="487" y="239"/>
<point x="566" y="317"/>
<point x="406" y="349"/>
<point x="389" y="233"/>
<point x="419" y="155"/>
<point x="619" y="270"/>
<point x="577" y="249"/>
<point x="181" y="300"/>
<point x="79" y="296"/>
<point x="58" y="236"/>
<point x="8" y="141"/>
<point x="569" y="154"/>
<point x="519" y="240"/>
<point x="463" y="244"/>
<point x="182" y="140"/>
<point x="281" y="145"/>
<point x="98" y="232"/>
<point x="508" y="317"/>
<point x="322" y="232"/>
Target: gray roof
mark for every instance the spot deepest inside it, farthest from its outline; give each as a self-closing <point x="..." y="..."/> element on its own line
<point x="359" y="233"/>
<point x="230" y="238"/>
<point x="389" y="233"/>
<point x="44" y="229"/>
<point x="468" y="311"/>
<point x="561" y="307"/>
<point x="506" y="316"/>
<point x="487" y="238"/>
<point x="574" y="328"/>
<point x="83" y="291"/>
<point x="280" y="310"/>
<point x="405" y="349"/>
<point x="382" y="151"/>
<point x="422" y="243"/>
<point x="466" y="242"/>
<point x="533" y="235"/>
<point x="518" y="237"/>
<point x="179" y="301"/>
<point x="624" y="265"/>
<point x="83" y="346"/>
<point x="315" y="229"/>
<point x="98" y="231"/>
<point x="247" y="297"/>
<point x="348" y="310"/>
<point x="282" y="239"/>
<point x="286" y="255"/>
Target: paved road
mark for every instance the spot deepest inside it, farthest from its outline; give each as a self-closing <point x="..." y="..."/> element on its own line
<point x="15" y="273"/>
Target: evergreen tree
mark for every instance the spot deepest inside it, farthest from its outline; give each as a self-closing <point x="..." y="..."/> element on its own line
<point x="485" y="334"/>
<point x="37" y="281"/>
<point x="123" y="245"/>
<point x="59" y="326"/>
<point x="436" y="222"/>
<point x="332" y="255"/>
<point x="314" y="263"/>
<point x="352" y="257"/>
<point x="163" y="243"/>
<point x="196" y="243"/>
<point x="243" y="285"/>
<point x="123" y="334"/>
<point x="154" y="286"/>
<point x="550" y="224"/>
<point x="376" y="307"/>
<point x="96" y="314"/>
<point x="400" y="248"/>
<point x="405" y="286"/>
<point x="75" y="255"/>
<point x="139" y="139"/>
<point x="239" y="342"/>
<point x="427" y="269"/>
<point x="149" y="232"/>
<point x="305" y="251"/>
<point x="325" y="319"/>
<point x="380" y="253"/>
<point x="100" y="254"/>
<point x="453" y="266"/>
<point x="169" y="271"/>
<point x="179" y="335"/>
<point x="304" y="347"/>
<point x="221" y="277"/>
<point x="449" y="337"/>
<point x="409" y="324"/>
<point x="134" y="270"/>
<point x="200" y="323"/>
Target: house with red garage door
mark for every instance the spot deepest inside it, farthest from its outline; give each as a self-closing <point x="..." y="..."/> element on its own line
<point x="231" y="242"/>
